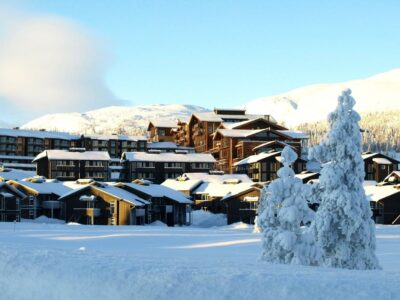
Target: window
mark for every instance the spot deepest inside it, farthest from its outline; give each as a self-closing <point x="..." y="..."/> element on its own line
<point x="161" y="131"/>
<point x="210" y="128"/>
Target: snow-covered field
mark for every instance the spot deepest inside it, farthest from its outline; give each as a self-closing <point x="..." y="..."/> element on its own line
<point x="56" y="261"/>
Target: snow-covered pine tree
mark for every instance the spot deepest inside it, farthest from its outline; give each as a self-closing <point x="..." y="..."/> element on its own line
<point x="343" y="226"/>
<point x="283" y="212"/>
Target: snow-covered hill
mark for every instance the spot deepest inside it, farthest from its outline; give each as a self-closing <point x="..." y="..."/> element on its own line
<point x="113" y="119"/>
<point x="312" y="103"/>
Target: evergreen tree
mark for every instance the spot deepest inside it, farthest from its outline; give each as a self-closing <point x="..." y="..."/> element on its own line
<point x="283" y="211"/>
<point x="343" y="226"/>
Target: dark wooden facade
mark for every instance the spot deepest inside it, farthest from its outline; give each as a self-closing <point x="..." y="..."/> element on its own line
<point x="11" y="202"/>
<point x="378" y="166"/>
<point x="265" y="169"/>
<point x="73" y="167"/>
<point x="158" y="170"/>
<point x="160" y="132"/>
<point x="242" y="207"/>
<point x="163" y="206"/>
<point x="107" y="209"/>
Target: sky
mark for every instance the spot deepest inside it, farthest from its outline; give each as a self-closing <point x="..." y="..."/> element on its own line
<point x="61" y="56"/>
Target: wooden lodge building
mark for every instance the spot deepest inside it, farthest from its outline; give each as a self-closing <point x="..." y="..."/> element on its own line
<point x="19" y="147"/>
<point x="263" y="167"/>
<point x="166" y="205"/>
<point x="233" y="194"/>
<point x="103" y="204"/>
<point x="161" y="131"/>
<point x="73" y="164"/>
<point x="159" y="166"/>
<point x="11" y="201"/>
<point x="378" y="166"/>
<point x="202" y="125"/>
<point x="384" y="201"/>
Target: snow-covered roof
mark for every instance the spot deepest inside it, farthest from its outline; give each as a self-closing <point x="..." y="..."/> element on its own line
<point x="294" y="134"/>
<point x="164" y="123"/>
<point x="213" y="117"/>
<point x="239" y="133"/>
<point x="48" y="187"/>
<point x="230" y="125"/>
<point x="377" y="193"/>
<point x="367" y="155"/>
<point x="217" y="178"/>
<point x="156" y="190"/>
<point x="73" y="155"/>
<point x="382" y="161"/>
<point x="217" y="190"/>
<point x="182" y="185"/>
<point x="256" y="158"/>
<point x="38" y="134"/>
<point x="122" y="194"/>
<point x="13" y="174"/>
<point x="120" y="137"/>
<point x="283" y="144"/>
<point x="169" y="157"/>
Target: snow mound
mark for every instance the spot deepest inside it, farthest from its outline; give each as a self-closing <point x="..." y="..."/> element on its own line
<point x="241" y="225"/>
<point x="158" y="223"/>
<point x="207" y="219"/>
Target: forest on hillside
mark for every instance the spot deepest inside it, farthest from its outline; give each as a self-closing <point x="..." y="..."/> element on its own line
<point x="380" y="131"/>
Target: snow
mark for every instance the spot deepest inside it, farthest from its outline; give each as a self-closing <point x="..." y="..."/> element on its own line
<point x="382" y="161"/>
<point x="51" y="261"/>
<point x="377" y="193"/>
<point x="169" y="157"/>
<point x="256" y="158"/>
<point x="13" y="174"/>
<point x="112" y="119"/>
<point x="378" y="93"/>
<point x="158" y="191"/>
<point x="164" y="123"/>
<point x="216" y="177"/>
<point x="205" y="219"/>
<point x="73" y="155"/>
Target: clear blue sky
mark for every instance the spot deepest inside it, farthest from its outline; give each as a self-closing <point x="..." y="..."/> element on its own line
<point x="228" y="52"/>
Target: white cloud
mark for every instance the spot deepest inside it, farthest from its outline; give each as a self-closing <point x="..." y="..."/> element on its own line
<point x="50" y="64"/>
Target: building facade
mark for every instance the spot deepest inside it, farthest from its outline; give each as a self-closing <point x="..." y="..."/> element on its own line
<point x="73" y="164"/>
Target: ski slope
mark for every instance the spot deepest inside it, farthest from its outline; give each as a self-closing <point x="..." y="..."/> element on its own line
<point x="57" y="261"/>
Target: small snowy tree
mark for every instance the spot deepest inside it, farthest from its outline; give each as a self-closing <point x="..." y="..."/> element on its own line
<point x="283" y="212"/>
<point x="343" y="226"/>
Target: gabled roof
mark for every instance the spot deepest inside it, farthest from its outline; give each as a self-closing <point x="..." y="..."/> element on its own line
<point x="378" y="193"/>
<point x="283" y="144"/>
<point x="185" y="185"/>
<point x="73" y="155"/>
<point x="167" y="145"/>
<point x="168" y="157"/>
<point x="237" y="125"/>
<point x="217" y="178"/>
<point x="47" y="187"/>
<point x="162" y="124"/>
<point x="110" y="190"/>
<point x="257" y="157"/>
<point x="12" y="189"/>
<point x="220" y="190"/>
<point x="156" y="190"/>
<point x="213" y="117"/>
<point x="367" y="155"/>
<point x="239" y="133"/>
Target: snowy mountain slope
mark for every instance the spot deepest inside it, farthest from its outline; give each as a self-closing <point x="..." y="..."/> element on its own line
<point x="113" y="119"/>
<point x="312" y="103"/>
